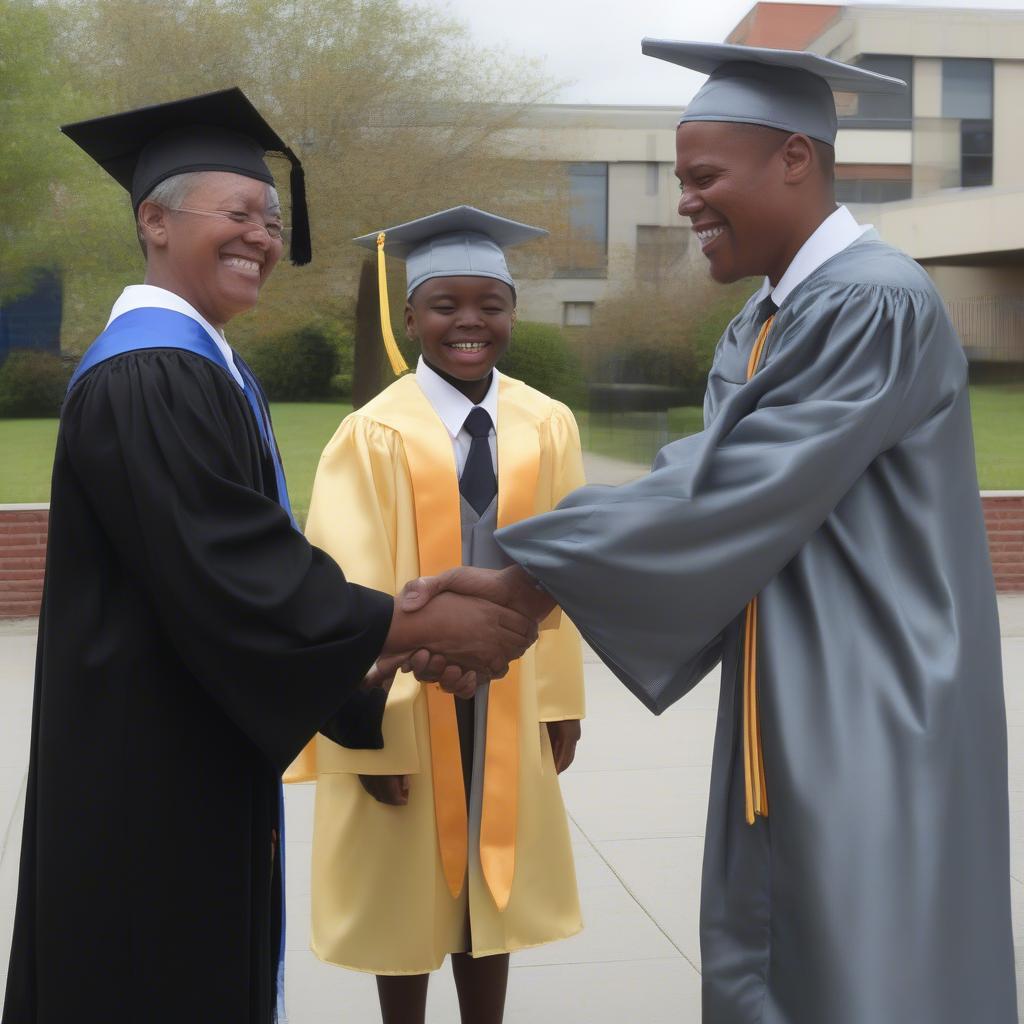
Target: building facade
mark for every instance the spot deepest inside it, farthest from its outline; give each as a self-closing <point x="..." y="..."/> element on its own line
<point x="939" y="170"/>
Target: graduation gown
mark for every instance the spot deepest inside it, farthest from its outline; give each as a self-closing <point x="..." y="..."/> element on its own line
<point x="839" y="484"/>
<point x="190" y="643"/>
<point x="380" y="901"/>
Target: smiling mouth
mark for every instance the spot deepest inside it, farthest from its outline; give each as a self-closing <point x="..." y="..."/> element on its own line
<point x="468" y="346"/>
<point x="242" y="264"/>
<point x="707" y="235"/>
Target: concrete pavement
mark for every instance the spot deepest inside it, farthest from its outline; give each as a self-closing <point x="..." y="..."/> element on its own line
<point x="637" y="796"/>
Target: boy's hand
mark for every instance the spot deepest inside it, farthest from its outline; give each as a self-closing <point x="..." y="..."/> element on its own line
<point x="564" y="736"/>
<point x="387" y="789"/>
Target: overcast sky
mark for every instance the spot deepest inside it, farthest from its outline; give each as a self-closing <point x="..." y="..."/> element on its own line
<point x="598" y="54"/>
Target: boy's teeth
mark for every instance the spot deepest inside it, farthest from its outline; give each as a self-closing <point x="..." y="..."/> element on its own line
<point x="467" y="346"/>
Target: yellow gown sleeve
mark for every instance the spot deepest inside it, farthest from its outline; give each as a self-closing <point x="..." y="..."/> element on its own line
<point x="559" y="663"/>
<point x="361" y="482"/>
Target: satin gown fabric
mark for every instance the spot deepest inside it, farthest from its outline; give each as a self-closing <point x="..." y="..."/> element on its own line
<point x="839" y="485"/>
<point x="379" y="895"/>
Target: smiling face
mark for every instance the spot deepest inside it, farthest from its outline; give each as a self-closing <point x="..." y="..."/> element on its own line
<point x="463" y="325"/>
<point x="213" y="253"/>
<point x="751" y="194"/>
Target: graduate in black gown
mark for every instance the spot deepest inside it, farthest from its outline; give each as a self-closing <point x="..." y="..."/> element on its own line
<point x="191" y="641"/>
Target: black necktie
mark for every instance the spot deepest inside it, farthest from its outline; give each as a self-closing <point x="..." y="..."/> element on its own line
<point x="478" y="484"/>
<point x="767" y="309"/>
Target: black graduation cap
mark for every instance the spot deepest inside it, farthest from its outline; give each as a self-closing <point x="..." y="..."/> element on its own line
<point x="218" y="131"/>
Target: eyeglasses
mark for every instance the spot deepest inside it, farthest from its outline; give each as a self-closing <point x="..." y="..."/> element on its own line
<point x="275" y="229"/>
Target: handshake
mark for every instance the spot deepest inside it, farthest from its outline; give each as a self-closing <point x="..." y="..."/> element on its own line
<point x="462" y="628"/>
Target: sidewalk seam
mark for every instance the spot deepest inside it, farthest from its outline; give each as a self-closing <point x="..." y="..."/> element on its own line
<point x="633" y="895"/>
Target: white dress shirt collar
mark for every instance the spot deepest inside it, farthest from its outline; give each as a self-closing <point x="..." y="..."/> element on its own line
<point x="139" y="296"/>
<point x="450" y="404"/>
<point x="833" y="235"/>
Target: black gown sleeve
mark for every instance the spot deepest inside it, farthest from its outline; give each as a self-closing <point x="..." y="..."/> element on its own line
<point x="167" y="452"/>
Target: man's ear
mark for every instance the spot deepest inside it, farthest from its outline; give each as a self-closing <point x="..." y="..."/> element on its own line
<point x="798" y="158"/>
<point x="410" y="323"/>
<point x="153" y="224"/>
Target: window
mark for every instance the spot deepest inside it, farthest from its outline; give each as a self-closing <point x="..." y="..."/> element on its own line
<point x="585" y="252"/>
<point x="868" y="190"/>
<point x="577" y="314"/>
<point x="967" y="89"/>
<point x="879" y="110"/>
<point x="653" y="178"/>
<point x="967" y="97"/>
<point x="975" y="153"/>
<point x="660" y="252"/>
<point x="873" y="183"/>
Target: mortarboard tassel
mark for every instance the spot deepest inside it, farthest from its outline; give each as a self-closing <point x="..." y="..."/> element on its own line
<point x="302" y="246"/>
<point x="398" y="363"/>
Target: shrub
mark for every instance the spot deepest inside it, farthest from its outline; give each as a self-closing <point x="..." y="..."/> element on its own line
<point x="541" y="357"/>
<point x="32" y="384"/>
<point x="662" y="335"/>
<point x="298" y="366"/>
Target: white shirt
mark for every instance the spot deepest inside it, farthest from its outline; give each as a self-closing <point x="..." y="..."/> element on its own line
<point x="138" y="296"/>
<point x="837" y="231"/>
<point x="452" y="407"/>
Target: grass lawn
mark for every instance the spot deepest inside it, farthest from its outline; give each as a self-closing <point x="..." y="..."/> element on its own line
<point x="26" y="460"/>
<point x="636" y="437"/>
<point x="304" y="429"/>
<point x="998" y="414"/>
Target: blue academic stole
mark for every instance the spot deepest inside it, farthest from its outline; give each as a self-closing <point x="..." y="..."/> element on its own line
<point x="150" y="327"/>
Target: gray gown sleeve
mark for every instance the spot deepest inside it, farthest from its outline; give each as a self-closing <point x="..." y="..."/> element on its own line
<point x="653" y="571"/>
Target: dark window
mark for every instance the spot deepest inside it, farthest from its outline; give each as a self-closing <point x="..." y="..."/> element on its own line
<point x="967" y="88"/>
<point x="585" y="252"/>
<point x="871" y="190"/>
<point x="879" y="110"/>
<point x="975" y="153"/>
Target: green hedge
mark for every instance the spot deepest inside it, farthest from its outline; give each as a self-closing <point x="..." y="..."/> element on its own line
<point x="302" y="366"/>
<point x="32" y="384"/>
<point x="540" y="355"/>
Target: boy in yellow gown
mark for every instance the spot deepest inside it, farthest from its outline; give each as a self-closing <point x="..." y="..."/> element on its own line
<point x="453" y="838"/>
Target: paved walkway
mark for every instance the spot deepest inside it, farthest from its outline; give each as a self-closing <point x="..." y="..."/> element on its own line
<point x="637" y="796"/>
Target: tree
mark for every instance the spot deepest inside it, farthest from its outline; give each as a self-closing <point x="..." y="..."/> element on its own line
<point x="28" y="166"/>
<point x="392" y="106"/>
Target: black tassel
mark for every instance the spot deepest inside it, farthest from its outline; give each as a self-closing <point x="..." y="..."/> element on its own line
<point x="302" y="246"/>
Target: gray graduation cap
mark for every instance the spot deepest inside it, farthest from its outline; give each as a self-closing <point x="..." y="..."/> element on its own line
<point x="460" y="242"/>
<point x="786" y="89"/>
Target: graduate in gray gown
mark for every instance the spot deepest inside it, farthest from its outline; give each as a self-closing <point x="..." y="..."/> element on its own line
<point x="821" y="539"/>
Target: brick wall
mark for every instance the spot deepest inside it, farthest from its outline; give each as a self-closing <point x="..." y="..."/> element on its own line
<point x="22" y="558"/>
<point x="1004" y="519"/>
<point x="23" y="550"/>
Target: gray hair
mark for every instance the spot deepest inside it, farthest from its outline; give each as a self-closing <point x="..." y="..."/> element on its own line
<point x="173" y="191"/>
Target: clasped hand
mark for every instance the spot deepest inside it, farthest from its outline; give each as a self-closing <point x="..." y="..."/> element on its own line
<point x="462" y="628"/>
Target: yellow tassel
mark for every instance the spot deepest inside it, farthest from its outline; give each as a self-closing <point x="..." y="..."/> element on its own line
<point x="398" y="363"/>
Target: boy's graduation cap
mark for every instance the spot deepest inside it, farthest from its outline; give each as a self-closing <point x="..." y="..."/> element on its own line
<point x="790" y="90"/>
<point x="460" y="242"/>
<point x="218" y="131"/>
